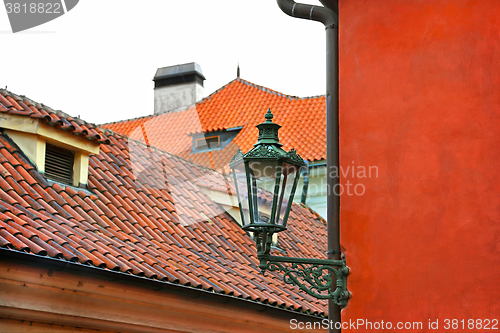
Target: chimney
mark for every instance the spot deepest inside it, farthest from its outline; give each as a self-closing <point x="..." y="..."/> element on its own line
<point x="177" y="87"/>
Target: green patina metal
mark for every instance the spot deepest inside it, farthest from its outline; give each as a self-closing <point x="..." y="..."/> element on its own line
<point x="315" y="279"/>
<point x="320" y="278"/>
<point x="268" y="146"/>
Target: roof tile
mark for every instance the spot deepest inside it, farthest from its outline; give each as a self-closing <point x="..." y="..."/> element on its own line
<point x="238" y="104"/>
<point x="171" y="231"/>
<point x="18" y="105"/>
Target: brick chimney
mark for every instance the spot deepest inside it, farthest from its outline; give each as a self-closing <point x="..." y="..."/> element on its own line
<point x="177" y="87"/>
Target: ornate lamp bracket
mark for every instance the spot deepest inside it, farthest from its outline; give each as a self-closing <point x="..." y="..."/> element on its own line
<point x="264" y="212"/>
<point x="320" y="278"/>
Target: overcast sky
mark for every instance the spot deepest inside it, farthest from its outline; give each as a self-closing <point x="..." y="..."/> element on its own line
<point x="99" y="59"/>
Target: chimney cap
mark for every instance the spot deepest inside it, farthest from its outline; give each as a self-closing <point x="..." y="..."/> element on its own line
<point x="178" y="70"/>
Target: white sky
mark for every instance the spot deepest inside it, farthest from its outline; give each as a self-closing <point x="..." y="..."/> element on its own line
<point x="98" y="60"/>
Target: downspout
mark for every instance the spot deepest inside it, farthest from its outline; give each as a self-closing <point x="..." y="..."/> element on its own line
<point x="305" y="186"/>
<point x="327" y="15"/>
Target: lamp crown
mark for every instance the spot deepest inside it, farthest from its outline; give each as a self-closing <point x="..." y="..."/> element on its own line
<point x="268" y="131"/>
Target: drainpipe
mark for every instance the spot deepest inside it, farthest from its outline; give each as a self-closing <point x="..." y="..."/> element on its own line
<point x="327" y="15"/>
<point x="305" y="186"/>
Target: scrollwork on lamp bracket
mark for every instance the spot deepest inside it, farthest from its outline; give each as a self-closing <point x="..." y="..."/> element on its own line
<point x="314" y="276"/>
<point x="265" y="209"/>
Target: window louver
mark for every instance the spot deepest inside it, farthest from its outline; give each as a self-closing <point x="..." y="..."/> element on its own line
<point x="59" y="164"/>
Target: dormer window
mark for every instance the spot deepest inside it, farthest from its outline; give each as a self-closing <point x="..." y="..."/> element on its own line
<point x="209" y="141"/>
<point x="60" y="156"/>
<point x="59" y="164"/>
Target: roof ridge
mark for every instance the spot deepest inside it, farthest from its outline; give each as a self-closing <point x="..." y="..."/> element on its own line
<point x="33" y="109"/>
<point x="275" y="92"/>
<point x="46" y="107"/>
<point x="266" y="89"/>
<point x="204" y="99"/>
<point x="187" y="107"/>
<point x="108" y="131"/>
<point x="216" y="91"/>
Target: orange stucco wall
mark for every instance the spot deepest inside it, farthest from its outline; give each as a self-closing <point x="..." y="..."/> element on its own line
<point x="420" y="99"/>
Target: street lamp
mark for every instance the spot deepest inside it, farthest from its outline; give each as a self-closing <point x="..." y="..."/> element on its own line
<point x="266" y="178"/>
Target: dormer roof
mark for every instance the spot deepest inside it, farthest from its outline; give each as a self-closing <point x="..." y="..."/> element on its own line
<point x="156" y="222"/>
<point x="22" y="106"/>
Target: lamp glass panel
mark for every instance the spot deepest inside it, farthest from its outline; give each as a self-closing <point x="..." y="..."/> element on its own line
<point x="288" y="175"/>
<point x="263" y="179"/>
<point x="240" y="181"/>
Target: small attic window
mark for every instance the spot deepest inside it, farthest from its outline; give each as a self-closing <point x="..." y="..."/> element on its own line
<point x="208" y="143"/>
<point x="59" y="164"/>
<point x="203" y="142"/>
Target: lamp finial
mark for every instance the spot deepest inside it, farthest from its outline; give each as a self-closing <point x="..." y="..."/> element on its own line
<point x="269" y="116"/>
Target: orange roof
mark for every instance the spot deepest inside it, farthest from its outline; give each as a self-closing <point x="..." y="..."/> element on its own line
<point x="20" y="105"/>
<point x="145" y="214"/>
<point x="238" y="104"/>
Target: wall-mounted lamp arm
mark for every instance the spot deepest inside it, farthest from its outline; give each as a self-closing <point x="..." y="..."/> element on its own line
<point x="314" y="276"/>
<point x="320" y="278"/>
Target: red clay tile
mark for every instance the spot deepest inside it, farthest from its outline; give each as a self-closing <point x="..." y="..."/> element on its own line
<point x="95" y="260"/>
<point x="173" y="233"/>
<point x="17" y="106"/>
<point x="230" y="107"/>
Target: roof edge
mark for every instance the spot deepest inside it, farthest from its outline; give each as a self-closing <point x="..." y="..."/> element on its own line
<point x="50" y="120"/>
<point x="78" y="268"/>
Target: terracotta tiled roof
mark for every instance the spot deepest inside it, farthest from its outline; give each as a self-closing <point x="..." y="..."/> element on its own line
<point x="145" y="214"/>
<point x="238" y="104"/>
<point x="20" y="105"/>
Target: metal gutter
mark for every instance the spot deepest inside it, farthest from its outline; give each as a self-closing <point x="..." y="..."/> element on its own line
<point x="79" y="269"/>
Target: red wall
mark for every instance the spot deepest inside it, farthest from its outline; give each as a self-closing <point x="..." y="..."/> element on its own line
<point x="420" y="99"/>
